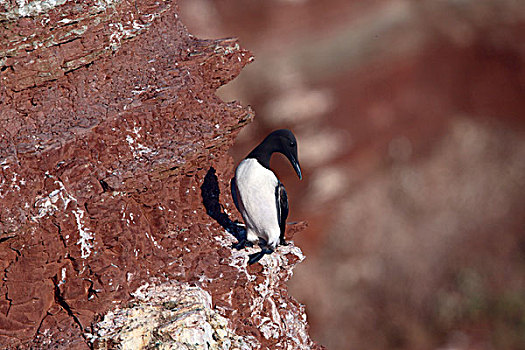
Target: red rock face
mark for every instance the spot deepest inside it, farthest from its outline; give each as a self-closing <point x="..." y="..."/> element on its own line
<point x="108" y="125"/>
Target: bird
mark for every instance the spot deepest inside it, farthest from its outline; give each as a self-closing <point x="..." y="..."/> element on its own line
<point x="259" y="195"/>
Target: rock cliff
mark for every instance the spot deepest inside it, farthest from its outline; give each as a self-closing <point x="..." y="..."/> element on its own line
<point x="114" y="226"/>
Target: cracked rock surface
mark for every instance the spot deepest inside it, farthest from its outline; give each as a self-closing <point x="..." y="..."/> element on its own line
<point x="109" y="124"/>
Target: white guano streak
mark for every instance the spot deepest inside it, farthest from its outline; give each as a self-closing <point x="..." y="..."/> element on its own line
<point x="48" y="206"/>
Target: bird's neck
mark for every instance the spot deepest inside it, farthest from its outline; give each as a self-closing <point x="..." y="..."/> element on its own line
<point x="263" y="154"/>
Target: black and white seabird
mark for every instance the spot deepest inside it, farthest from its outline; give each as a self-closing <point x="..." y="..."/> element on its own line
<point x="260" y="197"/>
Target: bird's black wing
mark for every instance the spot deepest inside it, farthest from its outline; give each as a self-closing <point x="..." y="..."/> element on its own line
<point x="282" y="209"/>
<point x="235" y="195"/>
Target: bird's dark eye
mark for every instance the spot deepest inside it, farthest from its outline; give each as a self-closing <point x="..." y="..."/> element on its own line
<point x="292" y="144"/>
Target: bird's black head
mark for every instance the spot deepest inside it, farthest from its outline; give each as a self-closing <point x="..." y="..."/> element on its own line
<point x="282" y="141"/>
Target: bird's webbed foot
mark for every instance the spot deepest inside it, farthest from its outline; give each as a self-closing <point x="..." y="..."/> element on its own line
<point x="243" y="243"/>
<point x="283" y="242"/>
<point x="255" y="257"/>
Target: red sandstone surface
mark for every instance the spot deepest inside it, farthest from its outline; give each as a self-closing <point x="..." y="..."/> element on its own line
<point x="109" y="125"/>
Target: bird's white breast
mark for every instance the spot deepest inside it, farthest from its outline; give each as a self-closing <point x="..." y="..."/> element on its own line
<point x="256" y="186"/>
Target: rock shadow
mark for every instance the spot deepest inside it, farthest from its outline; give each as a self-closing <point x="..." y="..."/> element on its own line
<point x="210" y="198"/>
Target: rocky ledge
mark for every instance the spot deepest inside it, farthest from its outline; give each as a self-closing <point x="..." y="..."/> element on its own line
<point x="115" y="228"/>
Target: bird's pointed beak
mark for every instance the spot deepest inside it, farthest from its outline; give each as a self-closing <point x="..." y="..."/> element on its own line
<point x="297" y="167"/>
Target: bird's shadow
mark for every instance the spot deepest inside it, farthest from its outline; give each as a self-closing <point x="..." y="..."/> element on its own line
<point x="210" y="198"/>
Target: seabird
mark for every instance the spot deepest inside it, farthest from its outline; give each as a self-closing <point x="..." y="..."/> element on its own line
<point x="260" y="197"/>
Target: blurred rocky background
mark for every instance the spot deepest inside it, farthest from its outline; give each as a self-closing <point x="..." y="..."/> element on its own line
<point x="410" y="118"/>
